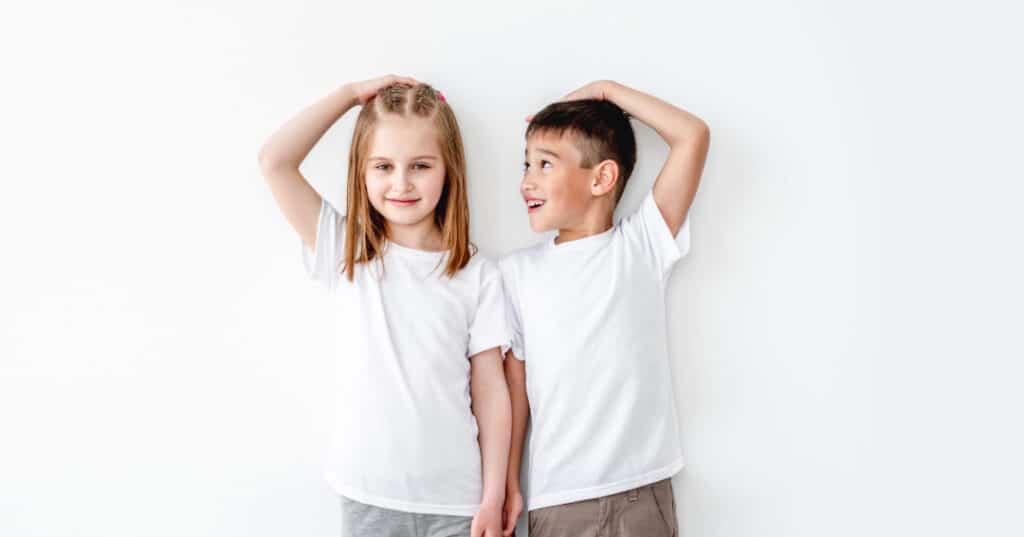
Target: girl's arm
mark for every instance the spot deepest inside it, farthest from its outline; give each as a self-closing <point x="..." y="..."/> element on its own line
<point x="490" y="405"/>
<point x="687" y="135"/>
<point x="515" y="373"/>
<point x="282" y="153"/>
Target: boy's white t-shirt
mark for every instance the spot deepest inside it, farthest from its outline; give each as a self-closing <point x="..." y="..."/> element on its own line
<point x="405" y="437"/>
<point x="588" y="318"/>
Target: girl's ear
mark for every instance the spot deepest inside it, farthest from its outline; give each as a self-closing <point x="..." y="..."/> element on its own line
<point x="606" y="176"/>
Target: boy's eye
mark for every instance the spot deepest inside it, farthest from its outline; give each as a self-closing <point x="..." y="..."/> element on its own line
<point x="526" y="166"/>
<point x="545" y="164"/>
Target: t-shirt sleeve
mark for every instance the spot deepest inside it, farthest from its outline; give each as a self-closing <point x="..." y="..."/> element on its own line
<point x="323" y="262"/>
<point x="512" y="311"/>
<point x="650" y="235"/>
<point x="489" y="328"/>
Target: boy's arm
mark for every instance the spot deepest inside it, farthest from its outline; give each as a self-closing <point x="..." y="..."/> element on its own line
<point x="490" y="405"/>
<point x="515" y="374"/>
<point x="281" y="154"/>
<point x="688" y="138"/>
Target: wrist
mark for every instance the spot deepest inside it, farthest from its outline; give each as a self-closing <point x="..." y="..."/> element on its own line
<point x="512" y="487"/>
<point x="492" y="501"/>
<point x="610" y="89"/>
<point x="348" y="95"/>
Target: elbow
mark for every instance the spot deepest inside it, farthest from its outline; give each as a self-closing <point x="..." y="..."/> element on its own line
<point x="699" y="133"/>
<point x="269" y="162"/>
<point x="693" y="133"/>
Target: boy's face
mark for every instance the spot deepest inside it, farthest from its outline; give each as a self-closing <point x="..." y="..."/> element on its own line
<point x="555" y="188"/>
<point x="405" y="172"/>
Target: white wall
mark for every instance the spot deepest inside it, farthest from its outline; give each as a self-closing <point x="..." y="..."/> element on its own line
<point x="846" y="332"/>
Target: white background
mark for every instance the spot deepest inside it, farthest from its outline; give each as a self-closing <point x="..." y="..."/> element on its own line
<point x="845" y="334"/>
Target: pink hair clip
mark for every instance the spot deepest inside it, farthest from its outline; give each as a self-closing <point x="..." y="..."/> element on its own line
<point x="441" y="96"/>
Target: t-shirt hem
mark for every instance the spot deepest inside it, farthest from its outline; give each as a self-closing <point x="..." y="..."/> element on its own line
<point x="401" y="505"/>
<point x="575" y="495"/>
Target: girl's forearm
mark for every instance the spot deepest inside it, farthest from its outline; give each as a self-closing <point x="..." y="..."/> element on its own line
<point x="290" y="144"/>
<point x="493" y="414"/>
<point x="675" y="125"/>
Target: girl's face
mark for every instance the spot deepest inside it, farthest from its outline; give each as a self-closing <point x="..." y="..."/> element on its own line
<point x="405" y="171"/>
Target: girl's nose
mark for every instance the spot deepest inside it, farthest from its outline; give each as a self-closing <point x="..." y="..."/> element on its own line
<point x="402" y="183"/>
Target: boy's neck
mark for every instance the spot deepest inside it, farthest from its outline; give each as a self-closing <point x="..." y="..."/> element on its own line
<point x="422" y="235"/>
<point x="595" y="224"/>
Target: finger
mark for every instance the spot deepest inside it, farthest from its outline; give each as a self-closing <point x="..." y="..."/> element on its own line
<point x="510" y="522"/>
<point x="529" y="118"/>
<point x="573" y="96"/>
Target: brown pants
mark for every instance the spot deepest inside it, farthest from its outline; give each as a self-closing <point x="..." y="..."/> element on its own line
<point x="647" y="511"/>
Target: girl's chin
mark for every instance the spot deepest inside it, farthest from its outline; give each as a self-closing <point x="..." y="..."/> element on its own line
<point x="405" y="219"/>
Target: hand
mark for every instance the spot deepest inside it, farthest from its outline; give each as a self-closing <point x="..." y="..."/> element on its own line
<point x="595" y="90"/>
<point x="487" y="521"/>
<point x="366" y="89"/>
<point x="510" y="514"/>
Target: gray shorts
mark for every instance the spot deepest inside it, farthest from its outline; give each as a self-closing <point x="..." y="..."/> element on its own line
<point x="361" y="520"/>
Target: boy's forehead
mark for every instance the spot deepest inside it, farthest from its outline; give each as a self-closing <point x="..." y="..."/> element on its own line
<point x="548" y="140"/>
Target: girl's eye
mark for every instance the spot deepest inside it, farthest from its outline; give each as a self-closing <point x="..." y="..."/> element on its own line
<point x="383" y="166"/>
<point x="421" y="166"/>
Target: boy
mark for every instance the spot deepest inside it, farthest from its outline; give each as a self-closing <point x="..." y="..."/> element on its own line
<point x="587" y="310"/>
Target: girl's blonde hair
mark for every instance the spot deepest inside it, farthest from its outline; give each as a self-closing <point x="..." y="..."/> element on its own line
<point x="365" y="229"/>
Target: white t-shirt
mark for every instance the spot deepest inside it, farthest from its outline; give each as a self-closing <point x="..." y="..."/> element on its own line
<point x="405" y="437"/>
<point x="588" y="318"/>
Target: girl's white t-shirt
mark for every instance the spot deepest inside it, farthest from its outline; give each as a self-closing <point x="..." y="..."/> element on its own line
<point x="588" y="318"/>
<point x="405" y="437"/>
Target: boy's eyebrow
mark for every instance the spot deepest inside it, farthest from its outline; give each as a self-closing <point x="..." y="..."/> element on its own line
<point x="542" y="150"/>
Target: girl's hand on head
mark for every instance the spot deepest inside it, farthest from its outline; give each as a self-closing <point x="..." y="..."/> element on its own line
<point x="594" y="90"/>
<point x="366" y="89"/>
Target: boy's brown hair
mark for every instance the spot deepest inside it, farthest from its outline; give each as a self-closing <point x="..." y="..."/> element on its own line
<point x="601" y="129"/>
<point x="365" y="229"/>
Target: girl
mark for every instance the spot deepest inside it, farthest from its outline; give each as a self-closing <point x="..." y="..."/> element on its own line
<point x="423" y="319"/>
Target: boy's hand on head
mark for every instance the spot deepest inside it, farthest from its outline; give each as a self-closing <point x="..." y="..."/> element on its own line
<point x="513" y="508"/>
<point x="366" y="89"/>
<point x="487" y="521"/>
<point x="594" y="90"/>
<point x="597" y="89"/>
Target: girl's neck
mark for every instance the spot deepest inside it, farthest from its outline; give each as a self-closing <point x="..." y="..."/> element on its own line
<point x="422" y="235"/>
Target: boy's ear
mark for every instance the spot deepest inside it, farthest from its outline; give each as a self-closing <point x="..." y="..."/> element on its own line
<point x="606" y="177"/>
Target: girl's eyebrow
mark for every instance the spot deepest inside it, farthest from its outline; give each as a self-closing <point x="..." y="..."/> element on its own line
<point x="421" y="157"/>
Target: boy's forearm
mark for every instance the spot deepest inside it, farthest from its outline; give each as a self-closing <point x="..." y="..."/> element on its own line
<point x="290" y="144"/>
<point x="515" y="374"/>
<point x="675" y="125"/>
<point x="492" y="410"/>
